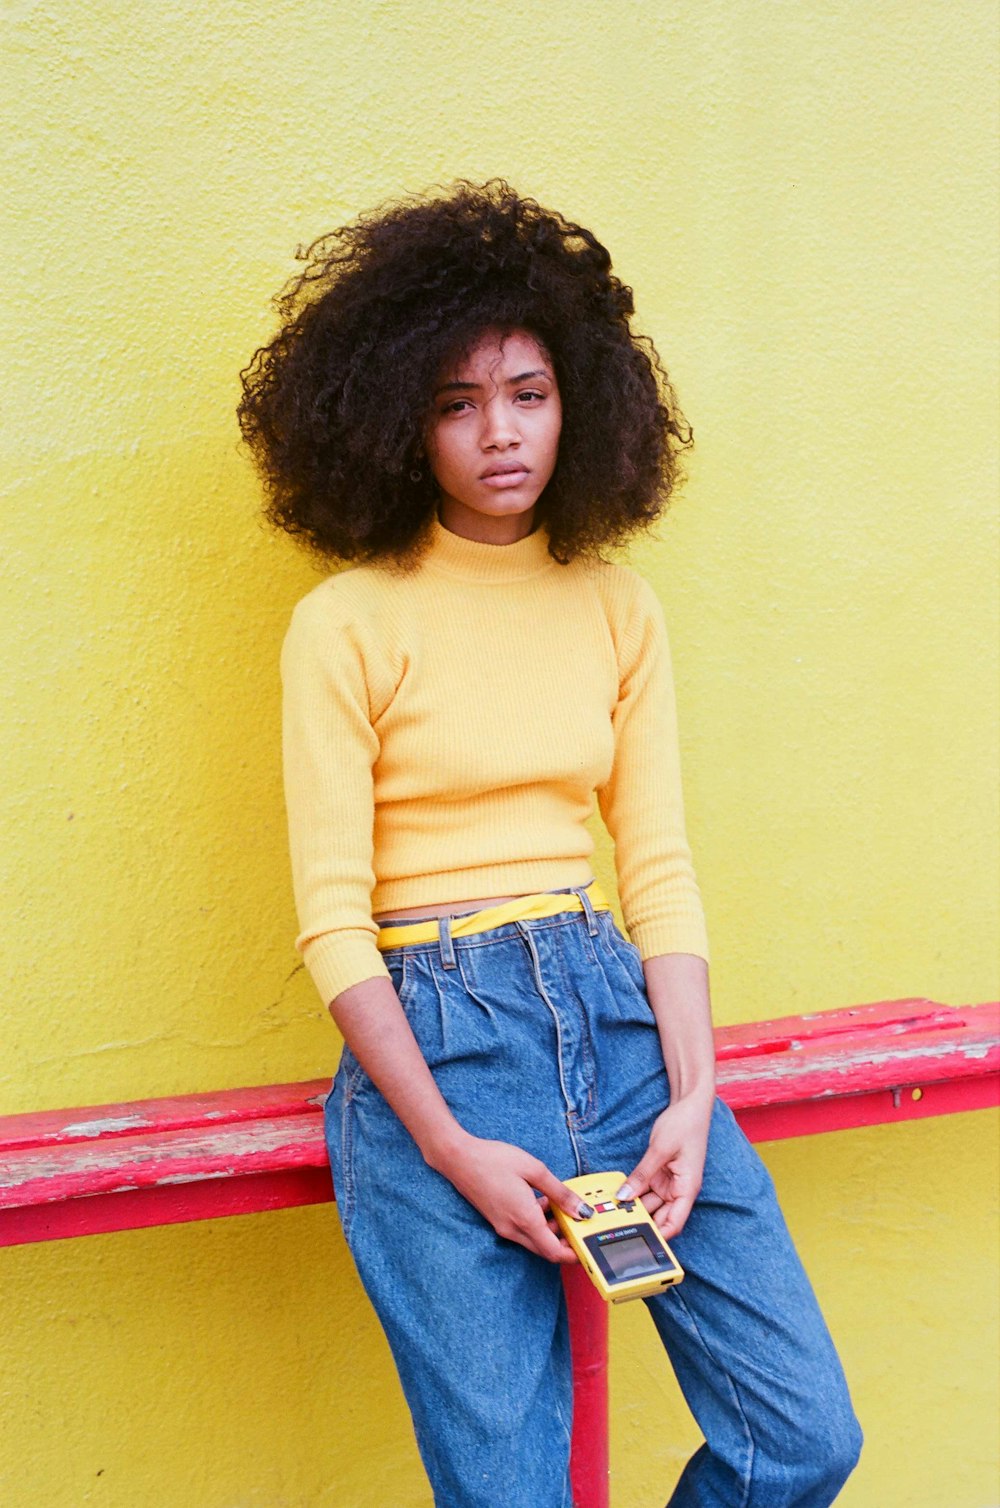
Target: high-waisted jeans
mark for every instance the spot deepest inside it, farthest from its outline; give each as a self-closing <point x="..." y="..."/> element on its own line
<point x="540" y="1033"/>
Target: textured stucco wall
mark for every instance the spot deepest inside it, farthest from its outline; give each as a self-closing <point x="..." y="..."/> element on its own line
<point x="803" y="199"/>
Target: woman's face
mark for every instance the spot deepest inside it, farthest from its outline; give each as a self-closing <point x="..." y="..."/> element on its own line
<point x="493" y="436"/>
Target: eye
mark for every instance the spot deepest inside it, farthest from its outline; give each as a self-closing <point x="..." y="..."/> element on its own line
<point x="530" y="395"/>
<point x="457" y="406"/>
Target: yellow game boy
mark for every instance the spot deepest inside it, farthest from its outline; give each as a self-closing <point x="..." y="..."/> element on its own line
<point x="620" y="1247"/>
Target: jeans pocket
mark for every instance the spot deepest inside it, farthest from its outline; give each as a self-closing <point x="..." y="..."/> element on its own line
<point x="338" y="1136"/>
<point x="455" y="1012"/>
<point x="623" y="967"/>
<point x="351" y="1071"/>
<point x="400" y="966"/>
<point x="354" y="1077"/>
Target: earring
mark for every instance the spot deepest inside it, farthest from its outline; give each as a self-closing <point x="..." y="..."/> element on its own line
<point x="416" y="475"/>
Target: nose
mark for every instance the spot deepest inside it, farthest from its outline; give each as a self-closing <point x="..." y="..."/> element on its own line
<point x="499" y="429"/>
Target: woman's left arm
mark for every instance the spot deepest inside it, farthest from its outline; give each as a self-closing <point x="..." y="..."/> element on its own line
<point x="668" y="1176"/>
<point x="643" y="810"/>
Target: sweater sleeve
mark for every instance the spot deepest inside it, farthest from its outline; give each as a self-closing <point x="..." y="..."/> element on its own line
<point x="330" y="748"/>
<point x="641" y="803"/>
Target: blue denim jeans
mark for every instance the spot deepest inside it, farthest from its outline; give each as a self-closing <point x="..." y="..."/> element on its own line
<point x="540" y="1033"/>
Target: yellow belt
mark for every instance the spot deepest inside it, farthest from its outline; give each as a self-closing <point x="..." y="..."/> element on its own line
<point x="542" y="903"/>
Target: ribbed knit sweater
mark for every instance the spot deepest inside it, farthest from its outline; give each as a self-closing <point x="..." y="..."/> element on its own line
<point x="446" y="730"/>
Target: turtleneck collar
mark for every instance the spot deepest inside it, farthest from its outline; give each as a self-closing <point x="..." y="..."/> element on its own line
<point x="474" y="560"/>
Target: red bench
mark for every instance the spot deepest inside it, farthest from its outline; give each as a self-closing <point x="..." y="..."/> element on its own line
<point x="194" y="1157"/>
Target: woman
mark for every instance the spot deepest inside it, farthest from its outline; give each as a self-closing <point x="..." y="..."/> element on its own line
<point x="457" y="407"/>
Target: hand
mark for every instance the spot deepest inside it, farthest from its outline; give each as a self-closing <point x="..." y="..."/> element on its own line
<point x="499" y="1180"/>
<point x="668" y="1177"/>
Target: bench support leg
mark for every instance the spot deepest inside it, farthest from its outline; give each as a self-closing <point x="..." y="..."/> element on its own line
<point x="588" y="1334"/>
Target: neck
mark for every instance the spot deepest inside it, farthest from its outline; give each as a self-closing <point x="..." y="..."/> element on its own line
<point x="506" y="529"/>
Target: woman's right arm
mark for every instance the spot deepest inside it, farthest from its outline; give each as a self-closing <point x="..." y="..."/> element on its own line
<point x="495" y="1176"/>
<point x="336" y="681"/>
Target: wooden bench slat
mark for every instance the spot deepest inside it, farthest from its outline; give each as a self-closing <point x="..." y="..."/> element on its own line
<point x="110" y="1167"/>
<point x="91" y="1123"/>
<point x="173" y="1204"/>
<point x="922" y="1051"/>
<point x="41" y="1175"/>
<point x="881" y="1019"/>
<point x="846" y="1112"/>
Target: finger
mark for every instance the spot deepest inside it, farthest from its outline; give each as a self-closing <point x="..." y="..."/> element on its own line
<point x="561" y="1238"/>
<point x="558" y="1193"/>
<point x="653" y="1201"/>
<point x="674" y="1215"/>
<point x="638" y="1181"/>
<point x="662" y="1215"/>
<point x="546" y="1244"/>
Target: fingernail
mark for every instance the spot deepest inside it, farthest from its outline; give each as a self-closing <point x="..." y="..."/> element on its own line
<point x="585" y="1213"/>
<point x="625" y="1192"/>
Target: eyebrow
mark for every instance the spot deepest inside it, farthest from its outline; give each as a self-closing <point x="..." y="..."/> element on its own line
<point x="467" y="387"/>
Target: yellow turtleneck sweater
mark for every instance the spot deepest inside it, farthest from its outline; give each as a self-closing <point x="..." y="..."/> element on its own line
<point x="445" y="732"/>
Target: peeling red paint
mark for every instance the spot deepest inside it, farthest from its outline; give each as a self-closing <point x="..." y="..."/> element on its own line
<point x="786" y="1077"/>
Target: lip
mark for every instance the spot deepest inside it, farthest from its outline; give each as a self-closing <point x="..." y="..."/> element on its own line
<point x="505" y="474"/>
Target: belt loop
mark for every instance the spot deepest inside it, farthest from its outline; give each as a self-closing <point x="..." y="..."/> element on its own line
<point x="581" y="891"/>
<point x="447" y="946"/>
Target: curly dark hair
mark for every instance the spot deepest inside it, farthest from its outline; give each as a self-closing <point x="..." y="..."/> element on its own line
<point x="334" y="407"/>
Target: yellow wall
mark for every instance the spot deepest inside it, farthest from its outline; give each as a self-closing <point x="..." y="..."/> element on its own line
<point x="802" y="197"/>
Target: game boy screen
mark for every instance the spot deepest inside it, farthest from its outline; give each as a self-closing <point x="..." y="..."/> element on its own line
<point x="630" y="1258"/>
